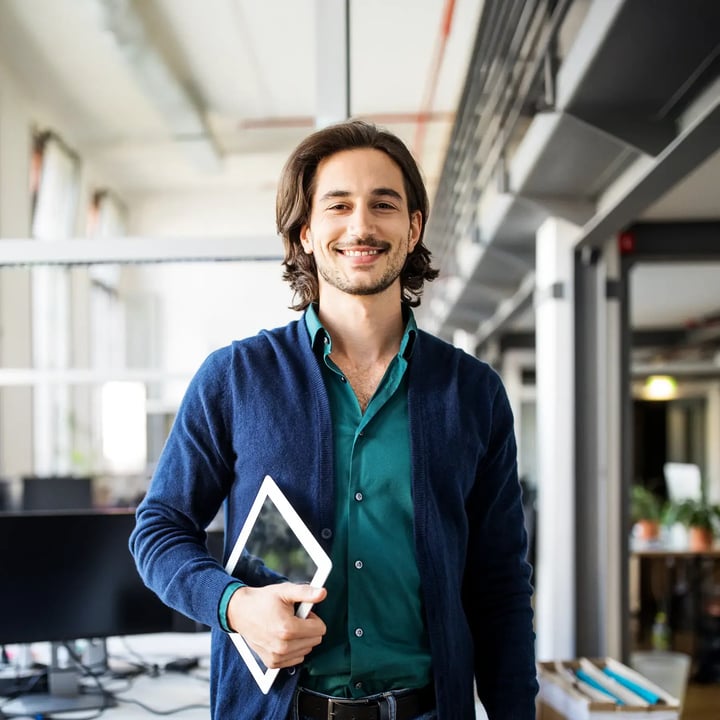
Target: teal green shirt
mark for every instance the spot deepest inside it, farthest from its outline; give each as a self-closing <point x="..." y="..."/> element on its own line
<point x="376" y="637"/>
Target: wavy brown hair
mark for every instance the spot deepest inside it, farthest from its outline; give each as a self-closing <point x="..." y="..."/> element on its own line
<point x="294" y="201"/>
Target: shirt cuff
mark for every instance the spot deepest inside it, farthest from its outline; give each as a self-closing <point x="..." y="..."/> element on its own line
<point x="224" y="602"/>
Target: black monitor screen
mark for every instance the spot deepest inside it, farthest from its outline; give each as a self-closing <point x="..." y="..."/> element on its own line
<point x="56" y="492"/>
<point x="70" y="575"/>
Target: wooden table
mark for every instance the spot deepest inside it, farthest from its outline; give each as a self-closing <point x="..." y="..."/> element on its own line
<point x="683" y="584"/>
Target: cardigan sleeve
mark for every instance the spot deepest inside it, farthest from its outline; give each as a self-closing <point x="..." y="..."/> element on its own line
<point x="187" y="489"/>
<point x="497" y="592"/>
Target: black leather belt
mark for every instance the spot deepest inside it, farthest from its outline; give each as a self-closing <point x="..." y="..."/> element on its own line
<point x="409" y="704"/>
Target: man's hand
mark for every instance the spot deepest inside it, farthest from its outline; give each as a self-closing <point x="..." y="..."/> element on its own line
<point x="265" y="617"/>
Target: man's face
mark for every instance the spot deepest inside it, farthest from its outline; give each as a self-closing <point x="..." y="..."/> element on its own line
<point x="360" y="230"/>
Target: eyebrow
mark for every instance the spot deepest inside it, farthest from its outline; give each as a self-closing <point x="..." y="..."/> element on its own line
<point x="377" y="192"/>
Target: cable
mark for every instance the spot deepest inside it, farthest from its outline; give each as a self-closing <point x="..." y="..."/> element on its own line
<point x="152" y="669"/>
<point x="153" y="711"/>
<point x="181" y="664"/>
<point x="107" y="697"/>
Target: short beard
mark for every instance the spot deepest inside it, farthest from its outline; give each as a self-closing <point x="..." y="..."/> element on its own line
<point x="380" y="286"/>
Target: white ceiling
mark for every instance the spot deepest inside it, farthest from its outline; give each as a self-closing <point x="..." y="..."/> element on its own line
<point x="251" y="71"/>
<point x="251" y="68"/>
<point x="696" y="197"/>
<point x="683" y="294"/>
<point x="680" y="294"/>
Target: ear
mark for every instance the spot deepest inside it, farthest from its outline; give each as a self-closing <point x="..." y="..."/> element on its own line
<point x="415" y="230"/>
<point x="306" y="239"/>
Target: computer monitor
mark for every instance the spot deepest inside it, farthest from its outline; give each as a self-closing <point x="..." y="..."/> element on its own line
<point x="4" y="495"/>
<point x="56" y="492"/>
<point x="68" y="576"/>
<point x="683" y="481"/>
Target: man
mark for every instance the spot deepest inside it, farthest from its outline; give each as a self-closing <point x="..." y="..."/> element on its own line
<point x="396" y="449"/>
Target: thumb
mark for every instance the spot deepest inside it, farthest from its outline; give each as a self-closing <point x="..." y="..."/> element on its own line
<point x="301" y="592"/>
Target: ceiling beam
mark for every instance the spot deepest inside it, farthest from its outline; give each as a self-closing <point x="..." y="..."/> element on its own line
<point x="332" y="61"/>
<point x="130" y="250"/>
<point x="648" y="179"/>
<point x="508" y="310"/>
<point x="642" y="184"/>
<point x="686" y="370"/>
<point x="689" y="241"/>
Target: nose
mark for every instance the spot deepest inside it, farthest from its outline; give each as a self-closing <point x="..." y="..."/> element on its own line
<point x="361" y="222"/>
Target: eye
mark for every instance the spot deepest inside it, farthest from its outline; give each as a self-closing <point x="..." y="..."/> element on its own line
<point x="384" y="206"/>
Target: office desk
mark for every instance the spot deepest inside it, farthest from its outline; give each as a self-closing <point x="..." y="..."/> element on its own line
<point x="165" y="691"/>
<point x="168" y="690"/>
<point x="684" y="585"/>
<point x="664" y="564"/>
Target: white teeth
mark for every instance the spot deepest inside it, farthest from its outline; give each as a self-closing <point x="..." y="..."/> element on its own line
<point x="360" y="253"/>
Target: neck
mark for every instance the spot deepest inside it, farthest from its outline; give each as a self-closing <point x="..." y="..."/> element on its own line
<point x="364" y="328"/>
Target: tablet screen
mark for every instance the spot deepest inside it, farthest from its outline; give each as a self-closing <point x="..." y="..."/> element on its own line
<point x="274" y="545"/>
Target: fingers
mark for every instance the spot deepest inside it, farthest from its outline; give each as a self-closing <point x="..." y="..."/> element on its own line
<point x="280" y="654"/>
<point x="282" y="647"/>
<point x="294" y="592"/>
<point x="266" y="619"/>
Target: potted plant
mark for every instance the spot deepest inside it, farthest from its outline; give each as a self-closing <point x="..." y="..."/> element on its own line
<point x="702" y="520"/>
<point x="645" y="511"/>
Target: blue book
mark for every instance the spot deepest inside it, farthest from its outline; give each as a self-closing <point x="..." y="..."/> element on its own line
<point x="598" y="686"/>
<point x="647" y="695"/>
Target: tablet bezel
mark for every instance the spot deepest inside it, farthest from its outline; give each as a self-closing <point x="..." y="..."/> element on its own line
<point x="270" y="490"/>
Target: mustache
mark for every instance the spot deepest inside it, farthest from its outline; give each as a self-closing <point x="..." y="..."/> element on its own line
<point x="368" y="241"/>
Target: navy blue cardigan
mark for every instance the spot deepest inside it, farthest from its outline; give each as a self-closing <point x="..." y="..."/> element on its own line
<point x="260" y="407"/>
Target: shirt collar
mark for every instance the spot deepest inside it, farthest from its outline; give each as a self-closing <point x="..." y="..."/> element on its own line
<point x="408" y="341"/>
<point x="318" y="334"/>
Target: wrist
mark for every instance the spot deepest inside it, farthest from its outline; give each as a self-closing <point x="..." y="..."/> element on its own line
<point x="229" y="591"/>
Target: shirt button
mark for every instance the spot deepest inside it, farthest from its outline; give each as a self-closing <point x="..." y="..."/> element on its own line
<point x="359" y="632"/>
<point x="343" y="379"/>
<point x="359" y="564"/>
<point x="326" y="340"/>
<point x="358" y="686"/>
<point x="292" y="671"/>
<point x="359" y="496"/>
<point x="326" y="533"/>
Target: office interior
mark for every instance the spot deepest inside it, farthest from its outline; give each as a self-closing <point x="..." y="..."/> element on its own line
<point x="572" y="154"/>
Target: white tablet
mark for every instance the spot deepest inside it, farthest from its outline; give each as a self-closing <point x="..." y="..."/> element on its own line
<point x="274" y="545"/>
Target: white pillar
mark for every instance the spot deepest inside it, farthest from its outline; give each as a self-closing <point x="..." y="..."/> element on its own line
<point x="511" y="373"/>
<point x="511" y="369"/>
<point x="331" y="62"/>
<point x="555" y="603"/>
<point x="713" y="442"/>
<point x="466" y="341"/>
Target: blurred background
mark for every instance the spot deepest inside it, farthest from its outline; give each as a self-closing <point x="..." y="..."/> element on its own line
<point x="571" y="151"/>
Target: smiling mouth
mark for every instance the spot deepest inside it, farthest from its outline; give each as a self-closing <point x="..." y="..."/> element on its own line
<point x="360" y="253"/>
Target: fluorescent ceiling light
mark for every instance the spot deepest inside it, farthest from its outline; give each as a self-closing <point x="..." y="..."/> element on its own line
<point x="180" y="111"/>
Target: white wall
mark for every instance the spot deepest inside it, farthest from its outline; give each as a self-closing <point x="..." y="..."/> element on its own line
<point x="203" y="214"/>
<point x="15" y="325"/>
<point x="199" y="307"/>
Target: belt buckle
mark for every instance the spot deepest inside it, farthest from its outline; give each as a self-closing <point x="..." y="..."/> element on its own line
<point x="332" y="705"/>
<point x="330" y="709"/>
